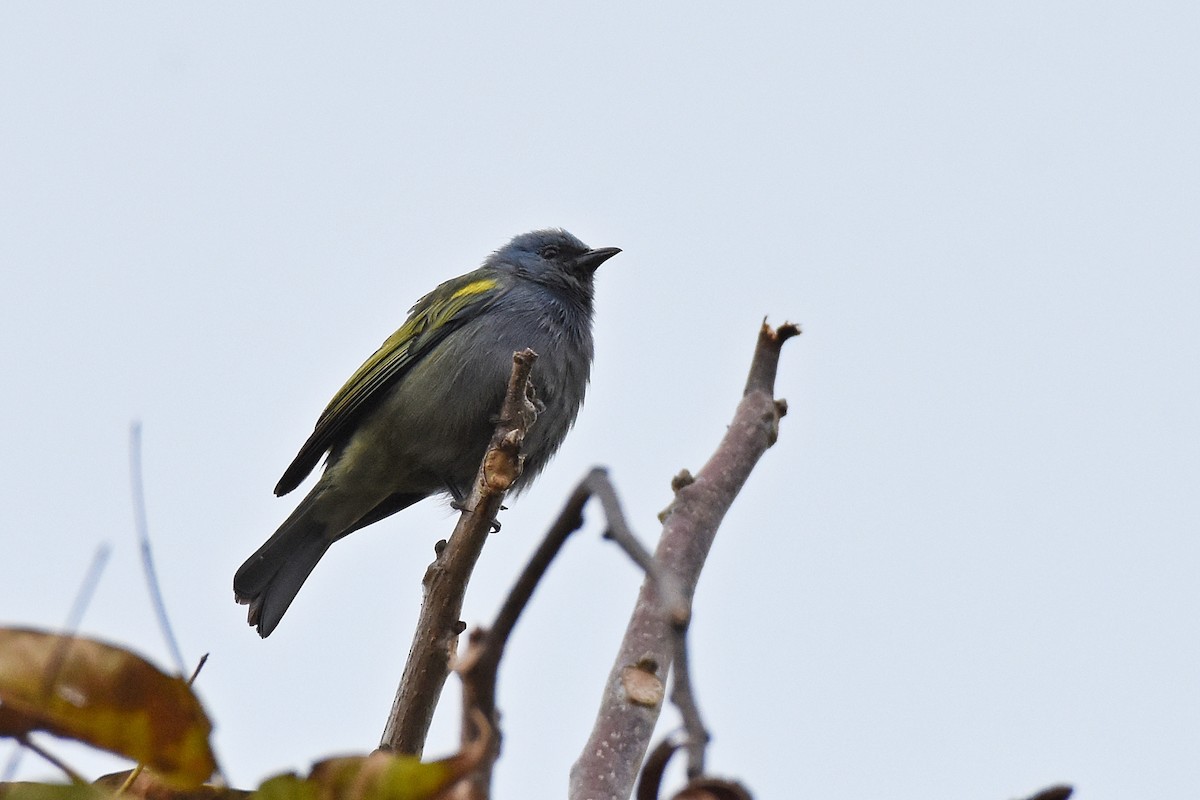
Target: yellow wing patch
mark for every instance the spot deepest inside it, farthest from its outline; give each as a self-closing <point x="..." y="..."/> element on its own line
<point x="473" y="288"/>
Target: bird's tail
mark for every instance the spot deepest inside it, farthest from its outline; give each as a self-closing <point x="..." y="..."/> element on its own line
<point x="270" y="579"/>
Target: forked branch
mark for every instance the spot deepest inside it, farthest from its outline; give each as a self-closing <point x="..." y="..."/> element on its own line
<point x="608" y="766"/>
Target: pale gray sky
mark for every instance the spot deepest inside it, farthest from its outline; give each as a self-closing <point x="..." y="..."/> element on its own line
<point x="970" y="566"/>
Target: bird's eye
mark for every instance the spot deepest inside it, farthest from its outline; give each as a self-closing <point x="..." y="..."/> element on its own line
<point x="549" y="252"/>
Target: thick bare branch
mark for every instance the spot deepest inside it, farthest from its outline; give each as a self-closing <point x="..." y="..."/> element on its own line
<point x="608" y="766"/>
<point x="439" y="625"/>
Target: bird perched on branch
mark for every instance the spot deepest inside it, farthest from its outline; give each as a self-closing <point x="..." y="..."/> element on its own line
<point x="416" y="418"/>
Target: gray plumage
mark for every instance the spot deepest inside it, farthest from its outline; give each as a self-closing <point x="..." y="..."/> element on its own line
<point x="415" y="419"/>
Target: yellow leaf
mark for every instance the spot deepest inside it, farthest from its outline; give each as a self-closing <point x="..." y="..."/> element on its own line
<point x="107" y="697"/>
<point x="52" y="791"/>
<point x="379" y="776"/>
<point x="285" y="787"/>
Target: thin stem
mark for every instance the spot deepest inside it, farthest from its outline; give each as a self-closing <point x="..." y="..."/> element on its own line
<point x="143" y="534"/>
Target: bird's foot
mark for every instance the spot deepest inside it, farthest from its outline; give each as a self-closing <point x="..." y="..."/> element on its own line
<point x="461" y="507"/>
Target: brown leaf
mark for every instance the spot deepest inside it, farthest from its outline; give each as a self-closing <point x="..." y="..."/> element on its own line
<point x="107" y="697"/>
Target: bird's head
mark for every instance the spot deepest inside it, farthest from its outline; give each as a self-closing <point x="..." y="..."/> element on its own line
<point x="555" y="259"/>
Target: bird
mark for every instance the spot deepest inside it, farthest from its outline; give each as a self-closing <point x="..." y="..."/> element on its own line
<point x="415" y="419"/>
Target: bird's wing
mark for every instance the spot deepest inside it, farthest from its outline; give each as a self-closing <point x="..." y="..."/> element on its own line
<point x="434" y="317"/>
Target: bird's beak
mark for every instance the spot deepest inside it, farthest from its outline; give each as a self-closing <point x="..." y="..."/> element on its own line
<point x="594" y="258"/>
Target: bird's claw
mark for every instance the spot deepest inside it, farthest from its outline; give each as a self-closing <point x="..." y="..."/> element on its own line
<point x="461" y="507"/>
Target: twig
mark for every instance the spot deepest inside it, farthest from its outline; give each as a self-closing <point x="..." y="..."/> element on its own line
<point x="608" y="766"/>
<point x="26" y="742"/>
<point x="83" y="599"/>
<point x="684" y="698"/>
<point x="143" y="534"/>
<point x="87" y="588"/>
<point x="196" y="672"/>
<point x="439" y="624"/>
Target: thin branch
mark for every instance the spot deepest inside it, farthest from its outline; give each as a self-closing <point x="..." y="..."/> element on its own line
<point x="684" y="698"/>
<point x="196" y="672"/>
<point x="676" y="607"/>
<point x="28" y="743"/>
<point x="83" y="598"/>
<point x="439" y="625"/>
<point x="143" y="533"/>
<point x="608" y="765"/>
<point x="87" y="588"/>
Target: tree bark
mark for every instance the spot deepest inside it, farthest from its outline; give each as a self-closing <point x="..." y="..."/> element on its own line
<point x="608" y="767"/>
